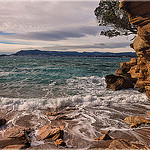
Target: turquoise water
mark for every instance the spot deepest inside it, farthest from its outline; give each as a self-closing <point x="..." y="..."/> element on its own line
<point x="33" y="84"/>
<point x="31" y="77"/>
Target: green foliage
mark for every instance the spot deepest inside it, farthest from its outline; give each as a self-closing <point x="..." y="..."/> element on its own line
<point x="109" y="14"/>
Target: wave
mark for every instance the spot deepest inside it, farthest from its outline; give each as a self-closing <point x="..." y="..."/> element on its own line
<point x="96" y="105"/>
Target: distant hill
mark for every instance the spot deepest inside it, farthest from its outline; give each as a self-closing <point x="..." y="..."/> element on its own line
<point x="70" y="54"/>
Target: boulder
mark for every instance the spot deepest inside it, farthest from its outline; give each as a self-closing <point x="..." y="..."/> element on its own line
<point x="117" y="82"/>
<point x="19" y="133"/>
<point x="49" y="132"/>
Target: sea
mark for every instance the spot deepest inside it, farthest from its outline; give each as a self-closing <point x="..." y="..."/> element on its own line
<point x="31" y="84"/>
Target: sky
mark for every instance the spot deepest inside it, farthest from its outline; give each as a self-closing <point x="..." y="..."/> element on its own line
<point x="54" y="25"/>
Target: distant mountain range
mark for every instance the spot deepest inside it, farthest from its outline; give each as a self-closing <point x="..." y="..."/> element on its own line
<point x="69" y="54"/>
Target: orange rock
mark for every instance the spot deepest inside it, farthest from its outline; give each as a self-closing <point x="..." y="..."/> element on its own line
<point x="47" y="132"/>
<point x="135" y="121"/>
<point x="16" y="132"/>
<point x="56" y="136"/>
<point x="60" y="142"/>
<point x="138" y="13"/>
<point x="140" y="44"/>
<point x="16" y="147"/>
<point x="144" y="31"/>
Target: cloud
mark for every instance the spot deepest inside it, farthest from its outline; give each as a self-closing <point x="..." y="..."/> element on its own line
<point x="92" y="46"/>
<point x="57" y="35"/>
<point x="33" y="16"/>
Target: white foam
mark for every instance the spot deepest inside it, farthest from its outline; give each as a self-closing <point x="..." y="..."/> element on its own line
<point x="107" y="98"/>
<point x="94" y="102"/>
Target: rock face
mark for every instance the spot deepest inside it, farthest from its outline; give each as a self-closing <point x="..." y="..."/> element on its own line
<point x="138" y="70"/>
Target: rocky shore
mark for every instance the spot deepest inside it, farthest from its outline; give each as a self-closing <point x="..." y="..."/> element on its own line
<point x="55" y="131"/>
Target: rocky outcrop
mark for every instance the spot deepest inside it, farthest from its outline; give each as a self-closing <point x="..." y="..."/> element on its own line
<point x="118" y="82"/>
<point x="138" y="70"/>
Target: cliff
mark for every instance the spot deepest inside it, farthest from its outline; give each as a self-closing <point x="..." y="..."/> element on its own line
<point x="137" y="70"/>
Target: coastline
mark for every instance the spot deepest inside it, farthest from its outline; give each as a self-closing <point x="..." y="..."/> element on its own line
<point x="60" y="118"/>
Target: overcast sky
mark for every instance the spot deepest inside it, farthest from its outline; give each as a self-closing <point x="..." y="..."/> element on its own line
<point x="54" y="25"/>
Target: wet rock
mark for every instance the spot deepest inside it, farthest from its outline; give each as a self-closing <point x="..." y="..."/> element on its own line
<point x="16" y="132"/>
<point x="62" y="117"/>
<point x="2" y="121"/>
<point x="122" y="144"/>
<point x="48" y="132"/>
<point x="117" y="82"/>
<point x="16" y="147"/>
<point x="60" y="142"/>
<point x="19" y="133"/>
<point x="135" y="121"/>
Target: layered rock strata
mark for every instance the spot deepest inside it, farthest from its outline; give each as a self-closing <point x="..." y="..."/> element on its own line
<point x="137" y="70"/>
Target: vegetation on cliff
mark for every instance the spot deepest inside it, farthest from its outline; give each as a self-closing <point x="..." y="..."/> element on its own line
<point x="109" y="14"/>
